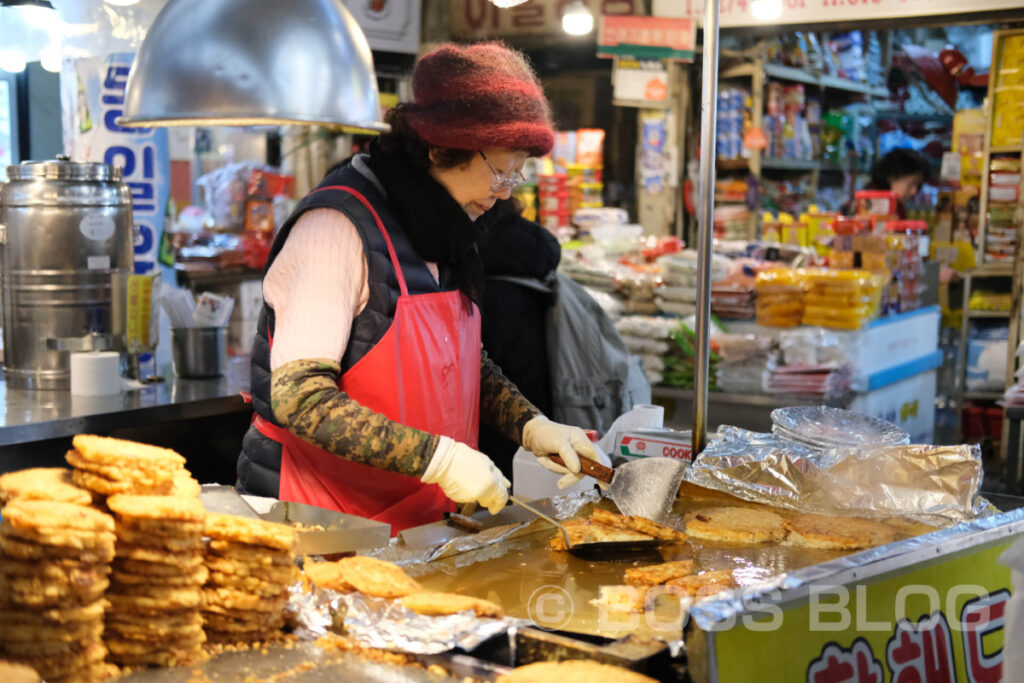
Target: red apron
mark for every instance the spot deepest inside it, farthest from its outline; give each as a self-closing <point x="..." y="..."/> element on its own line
<point x="424" y="373"/>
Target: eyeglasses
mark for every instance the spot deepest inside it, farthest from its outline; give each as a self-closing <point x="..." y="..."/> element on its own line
<point x="503" y="182"/>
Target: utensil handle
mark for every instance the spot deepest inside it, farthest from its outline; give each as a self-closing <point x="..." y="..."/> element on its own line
<point x="550" y="520"/>
<point x="590" y="467"/>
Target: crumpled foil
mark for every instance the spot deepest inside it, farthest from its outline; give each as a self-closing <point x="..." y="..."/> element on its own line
<point x="386" y="624"/>
<point x="936" y="485"/>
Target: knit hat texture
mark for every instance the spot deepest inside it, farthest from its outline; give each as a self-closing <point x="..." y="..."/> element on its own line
<point x="479" y="96"/>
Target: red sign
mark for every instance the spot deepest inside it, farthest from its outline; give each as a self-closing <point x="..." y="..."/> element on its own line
<point x="647" y="37"/>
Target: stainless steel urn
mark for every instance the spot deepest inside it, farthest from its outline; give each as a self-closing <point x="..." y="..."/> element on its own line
<point x="67" y="233"/>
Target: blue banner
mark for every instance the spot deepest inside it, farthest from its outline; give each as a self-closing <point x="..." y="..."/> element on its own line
<point x="93" y="99"/>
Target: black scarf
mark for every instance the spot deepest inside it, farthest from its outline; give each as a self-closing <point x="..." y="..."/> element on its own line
<point x="439" y="229"/>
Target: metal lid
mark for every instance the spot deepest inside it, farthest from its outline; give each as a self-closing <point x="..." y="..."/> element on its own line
<point x="62" y="168"/>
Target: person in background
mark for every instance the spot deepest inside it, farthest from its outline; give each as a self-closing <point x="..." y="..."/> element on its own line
<point x="902" y="171"/>
<point x="515" y="314"/>
<point x="368" y="377"/>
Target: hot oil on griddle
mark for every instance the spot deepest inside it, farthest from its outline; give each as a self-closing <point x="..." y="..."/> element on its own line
<point x="559" y="592"/>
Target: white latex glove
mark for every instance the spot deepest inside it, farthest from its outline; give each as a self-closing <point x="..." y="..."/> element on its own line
<point x="467" y="476"/>
<point x="544" y="437"/>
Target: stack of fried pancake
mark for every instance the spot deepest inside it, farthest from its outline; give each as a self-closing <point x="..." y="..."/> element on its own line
<point x="54" y="563"/>
<point x="251" y="565"/>
<point x="109" y="466"/>
<point x="42" y="483"/>
<point x="156" y="585"/>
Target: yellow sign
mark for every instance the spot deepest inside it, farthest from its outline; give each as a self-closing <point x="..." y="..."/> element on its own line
<point x="140" y="301"/>
<point x="937" y="624"/>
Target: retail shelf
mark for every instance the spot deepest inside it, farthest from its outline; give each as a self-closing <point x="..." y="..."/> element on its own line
<point x="1007" y="149"/>
<point x="983" y="395"/>
<point x="745" y="70"/>
<point x="993" y="270"/>
<point x="789" y="73"/>
<point x="916" y="118"/>
<point x="733" y="164"/>
<point x="880" y="91"/>
<point x="761" y="400"/>
<point x="987" y="314"/>
<point x="790" y="164"/>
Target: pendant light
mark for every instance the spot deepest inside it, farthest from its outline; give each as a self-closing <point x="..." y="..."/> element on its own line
<point x="253" y="62"/>
<point x="35" y="13"/>
<point x="578" y="19"/>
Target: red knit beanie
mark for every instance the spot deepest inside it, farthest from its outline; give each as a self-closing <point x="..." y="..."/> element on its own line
<point x="478" y="96"/>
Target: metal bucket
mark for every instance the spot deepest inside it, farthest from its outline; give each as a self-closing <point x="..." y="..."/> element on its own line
<point x="198" y="352"/>
<point x="68" y="251"/>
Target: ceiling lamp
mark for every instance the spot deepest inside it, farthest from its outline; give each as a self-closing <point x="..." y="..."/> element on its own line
<point x="12" y="61"/>
<point x="253" y="62"/>
<point x="36" y="13"/>
<point x="507" y="3"/>
<point x="577" y="20"/>
<point x="766" y="10"/>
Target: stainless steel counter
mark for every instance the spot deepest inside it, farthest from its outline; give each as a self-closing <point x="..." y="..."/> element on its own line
<point x="28" y="416"/>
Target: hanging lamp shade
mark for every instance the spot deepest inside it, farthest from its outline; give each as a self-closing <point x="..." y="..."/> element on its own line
<point x="253" y="62"/>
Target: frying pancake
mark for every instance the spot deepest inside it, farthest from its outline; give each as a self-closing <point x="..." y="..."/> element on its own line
<point x="659" y="573"/>
<point x="639" y="524"/>
<point x="572" y="671"/>
<point x="586" y="531"/>
<point x="703" y="584"/>
<point x="735" y="525"/>
<point x="623" y="598"/>
<point x="435" y="604"/>
<point x="837" y="533"/>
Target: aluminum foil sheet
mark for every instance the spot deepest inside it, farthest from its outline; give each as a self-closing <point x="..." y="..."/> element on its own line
<point x="936" y="485"/>
<point x="386" y="624"/>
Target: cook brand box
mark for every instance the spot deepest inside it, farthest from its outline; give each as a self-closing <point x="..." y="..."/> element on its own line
<point x="662" y="443"/>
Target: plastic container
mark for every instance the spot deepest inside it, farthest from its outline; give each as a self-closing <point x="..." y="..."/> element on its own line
<point x="199" y="352"/>
<point x="877" y="202"/>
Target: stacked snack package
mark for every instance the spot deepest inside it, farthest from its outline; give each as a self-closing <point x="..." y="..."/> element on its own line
<point x="786" y="127"/>
<point x="733" y="297"/>
<point x="1004" y="219"/>
<point x="780" y="297"/>
<point x="649" y="338"/>
<point x="677" y="294"/>
<point x="1008" y="107"/>
<point x="732" y="108"/>
<point x="904" y="264"/>
<point x="842" y="299"/>
<point x="747" y="361"/>
<point x="848" y="235"/>
<point x="553" y="200"/>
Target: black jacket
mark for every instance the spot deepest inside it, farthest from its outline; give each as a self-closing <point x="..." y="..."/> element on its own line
<point x="513" y="316"/>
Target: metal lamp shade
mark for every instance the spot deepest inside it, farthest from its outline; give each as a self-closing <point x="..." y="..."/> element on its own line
<point x="253" y="62"/>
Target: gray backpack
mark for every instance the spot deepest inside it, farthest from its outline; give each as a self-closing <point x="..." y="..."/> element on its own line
<point x="594" y="379"/>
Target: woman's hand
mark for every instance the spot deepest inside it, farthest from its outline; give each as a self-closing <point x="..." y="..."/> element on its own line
<point x="467" y="476"/>
<point x="544" y="437"/>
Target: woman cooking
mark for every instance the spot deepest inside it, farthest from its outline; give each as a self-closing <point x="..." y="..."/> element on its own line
<point x="368" y="376"/>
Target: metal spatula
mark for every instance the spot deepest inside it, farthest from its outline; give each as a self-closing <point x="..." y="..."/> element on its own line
<point x="596" y="550"/>
<point x="646" y="487"/>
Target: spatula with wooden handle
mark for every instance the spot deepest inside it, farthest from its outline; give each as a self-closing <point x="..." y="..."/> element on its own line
<point x="646" y="486"/>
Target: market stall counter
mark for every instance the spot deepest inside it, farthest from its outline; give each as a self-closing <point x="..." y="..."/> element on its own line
<point x="36" y="425"/>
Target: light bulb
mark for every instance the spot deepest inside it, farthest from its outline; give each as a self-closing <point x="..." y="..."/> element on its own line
<point x="12" y="61"/>
<point x="39" y="17"/>
<point x="50" y="58"/>
<point x="766" y="10"/>
<point x="577" y="20"/>
<point x="507" y="3"/>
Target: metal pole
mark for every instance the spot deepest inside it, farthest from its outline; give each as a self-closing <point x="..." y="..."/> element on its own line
<point x="705" y="227"/>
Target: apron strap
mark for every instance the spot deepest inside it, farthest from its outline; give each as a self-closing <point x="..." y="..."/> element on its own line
<point x="380" y="226"/>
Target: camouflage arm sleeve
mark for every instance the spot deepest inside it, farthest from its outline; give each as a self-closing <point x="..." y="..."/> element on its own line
<point x="502" y="406"/>
<point x="307" y="402"/>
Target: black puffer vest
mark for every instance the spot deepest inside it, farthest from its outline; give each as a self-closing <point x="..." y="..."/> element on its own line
<point x="259" y="464"/>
